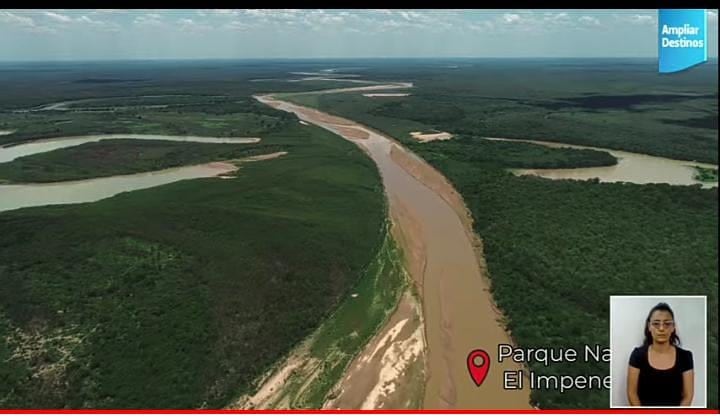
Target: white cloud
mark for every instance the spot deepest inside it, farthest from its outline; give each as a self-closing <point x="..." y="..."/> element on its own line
<point x="525" y="21"/>
<point x="258" y="12"/>
<point x="636" y="19"/>
<point x="187" y="24"/>
<point x="149" y="19"/>
<point x="529" y="21"/>
<point x="511" y="18"/>
<point x="236" y="25"/>
<point x="482" y="26"/>
<point x="101" y="25"/>
<point x="329" y="20"/>
<point x="589" y="20"/>
<point x="11" y="18"/>
<point x="390" y="24"/>
<point x="23" y="22"/>
<point x="556" y="17"/>
<point x="85" y="19"/>
<point x="58" y="17"/>
<point x="410" y="15"/>
<point x="643" y="19"/>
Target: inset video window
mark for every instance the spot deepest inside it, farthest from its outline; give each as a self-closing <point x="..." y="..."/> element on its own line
<point x="659" y="351"/>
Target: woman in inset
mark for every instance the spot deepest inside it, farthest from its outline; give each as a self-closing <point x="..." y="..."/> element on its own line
<point x="660" y="372"/>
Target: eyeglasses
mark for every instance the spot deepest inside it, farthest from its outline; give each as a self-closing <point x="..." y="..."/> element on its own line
<point x="666" y="324"/>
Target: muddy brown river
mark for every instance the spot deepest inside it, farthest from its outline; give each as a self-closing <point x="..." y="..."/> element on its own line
<point x="457" y="308"/>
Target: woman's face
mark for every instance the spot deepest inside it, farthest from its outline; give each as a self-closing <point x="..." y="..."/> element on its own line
<point x="661" y="326"/>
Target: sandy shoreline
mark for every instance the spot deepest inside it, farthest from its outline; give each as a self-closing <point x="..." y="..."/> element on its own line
<point x="389" y="369"/>
<point x="386" y="94"/>
<point x="439" y="136"/>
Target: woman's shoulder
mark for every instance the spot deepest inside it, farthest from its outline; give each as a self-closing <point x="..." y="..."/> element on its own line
<point x="638" y="356"/>
<point x="685" y="359"/>
<point x="683" y="352"/>
<point x="641" y="349"/>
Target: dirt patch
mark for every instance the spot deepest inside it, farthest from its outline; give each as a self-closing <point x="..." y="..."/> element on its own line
<point x="439" y="136"/>
<point x="353" y="133"/>
<point x="324" y="117"/>
<point x="221" y="165"/>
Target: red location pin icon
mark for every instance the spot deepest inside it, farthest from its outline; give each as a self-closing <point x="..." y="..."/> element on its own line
<point x="478" y="363"/>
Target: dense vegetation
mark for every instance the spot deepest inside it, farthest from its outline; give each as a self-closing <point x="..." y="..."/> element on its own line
<point x="617" y="104"/>
<point x="111" y="157"/>
<point x="225" y="117"/>
<point x="181" y="296"/>
<point x="706" y="174"/>
<point x="514" y="155"/>
<point x="556" y="250"/>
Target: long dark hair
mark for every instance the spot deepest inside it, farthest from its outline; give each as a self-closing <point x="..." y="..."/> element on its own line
<point x="662" y="306"/>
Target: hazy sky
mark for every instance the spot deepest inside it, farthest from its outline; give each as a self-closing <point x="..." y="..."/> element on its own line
<point x="65" y="34"/>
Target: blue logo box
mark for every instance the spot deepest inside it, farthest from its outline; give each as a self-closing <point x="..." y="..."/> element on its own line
<point x="682" y="39"/>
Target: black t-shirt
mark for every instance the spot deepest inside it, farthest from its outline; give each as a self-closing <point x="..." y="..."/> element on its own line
<point x="660" y="387"/>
